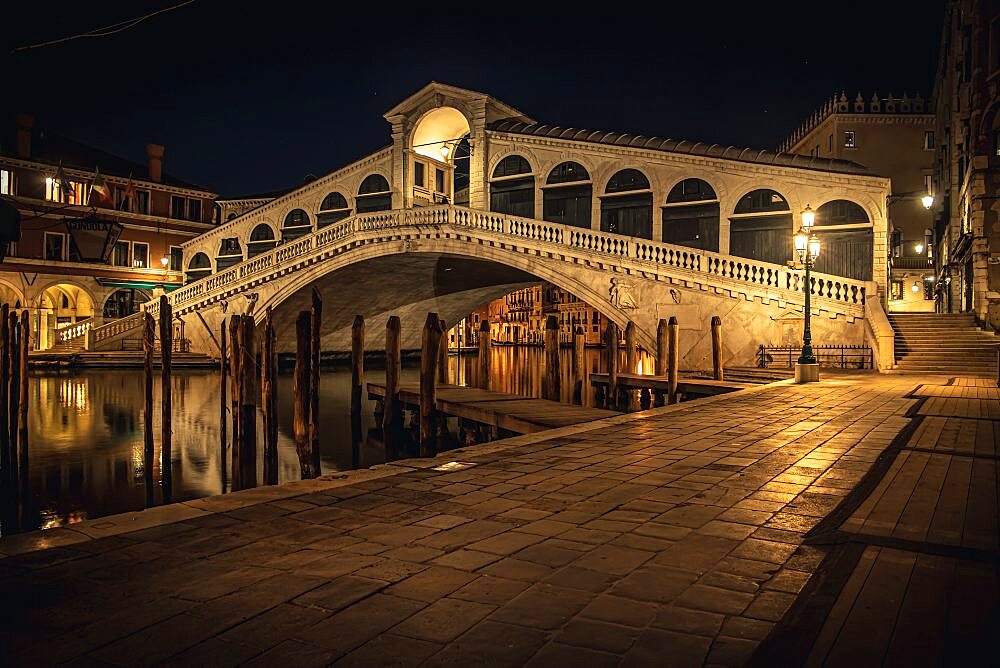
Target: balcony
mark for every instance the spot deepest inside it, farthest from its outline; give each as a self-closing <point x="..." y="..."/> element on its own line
<point x="921" y="263"/>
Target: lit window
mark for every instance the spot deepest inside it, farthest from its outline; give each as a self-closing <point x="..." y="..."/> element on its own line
<point x="849" y="139"/>
<point x="6" y="182"/>
<point x="929" y="140"/>
<point x="896" y="291"/>
<point x="140" y="255"/>
<point x="55" y="246"/>
<point x="52" y="189"/>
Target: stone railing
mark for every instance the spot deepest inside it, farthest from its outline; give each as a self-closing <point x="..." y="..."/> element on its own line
<point x="835" y="293"/>
<point x="879" y="334"/>
<point x="97" y="335"/>
<point x="74" y="331"/>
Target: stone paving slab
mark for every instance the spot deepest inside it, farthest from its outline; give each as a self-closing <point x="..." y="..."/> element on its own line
<point x="673" y="536"/>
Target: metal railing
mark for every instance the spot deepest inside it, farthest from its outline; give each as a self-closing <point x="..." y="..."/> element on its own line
<point x="844" y="357"/>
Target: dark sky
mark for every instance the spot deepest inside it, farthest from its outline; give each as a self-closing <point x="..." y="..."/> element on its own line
<point x="253" y="96"/>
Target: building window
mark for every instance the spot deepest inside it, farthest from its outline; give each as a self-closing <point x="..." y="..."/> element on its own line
<point x="142" y="201"/>
<point x="439" y="180"/>
<point x="194" y="210"/>
<point x="140" y="255"/>
<point x="896" y="290"/>
<point x="230" y="246"/>
<point x="418" y="174"/>
<point x="929" y="140"/>
<point x="119" y="257"/>
<point x="929" y="184"/>
<point x="55" y="246"/>
<point x="177" y="207"/>
<point x="829" y="143"/>
<point x="6" y="182"/>
<point x="176" y="258"/>
<point x="849" y="139"/>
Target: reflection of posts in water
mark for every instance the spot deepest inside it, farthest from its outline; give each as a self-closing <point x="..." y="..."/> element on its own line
<point x="357" y="384"/>
<point x="485" y="345"/>
<point x="316" y="322"/>
<point x="166" y="352"/>
<point x="223" y="366"/>
<point x="300" y="392"/>
<point x="611" y="355"/>
<point x="579" y="366"/>
<point x="235" y="359"/>
<point x="550" y="388"/>
<point x="717" y="347"/>
<point x="269" y="407"/>
<point x="248" y="403"/>
<point x="392" y="417"/>
<point x="431" y="343"/>
<point x="148" y="342"/>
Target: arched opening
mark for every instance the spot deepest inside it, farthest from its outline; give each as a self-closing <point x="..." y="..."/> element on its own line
<point x="10" y="296"/>
<point x="567" y="195"/>
<point x="439" y="158"/>
<point x="761" y="227"/>
<point x="60" y="306"/>
<point x="691" y="216"/>
<point x="334" y="207"/>
<point x="846" y="240"/>
<point x="200" y="266"/>
<point x="124" y="302"/>
<point x="230" y="253"/>
<point x="627" y="205"/>
<point x="261" y="240"/>
<point x="374" y="194"/>
<point x="512" y="188"/>
<point x="296" y="224"/>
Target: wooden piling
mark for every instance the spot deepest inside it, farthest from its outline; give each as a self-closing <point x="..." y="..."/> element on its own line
<point x="392" y="417"/>
<point x="717" y="347"/>
<point x="485" y="351"/>
<point x="673" y="358"/>
<point x="611" y="357"/>
<point x="300" y="391"/>
<point x="314" y="357"/>
<point x="662" y="334"/>
<point x="148" y="454"/>
<point x="579" y="365"/>
<point x="431" y="341"/>
<point x="13" y="394"/>
<point x="166" y="353"/>
<point x="550" y="388"/>
<point x="269" y="406"/>
<point x="357" y="382"/>
<point x="22" y="432"/>
<point x="631" y="349"/>
<point x="223" y="367"/>
<point x="235" y="359"/>
<point x="442" y="363"/>
<point x="5" y="446"/>
<point x="248" y="403"/>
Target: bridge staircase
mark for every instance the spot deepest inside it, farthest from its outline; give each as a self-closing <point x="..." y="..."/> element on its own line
<point x="949" y="343"/>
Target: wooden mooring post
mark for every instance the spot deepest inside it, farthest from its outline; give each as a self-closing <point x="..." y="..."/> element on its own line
<point x="611" y="356"/>
<point x="550" y="388"/>
<point x="148" y="453"/>
<point x="22" y="433"/>
<point x="485" y="350"/>
<point x="717" y="347"/>
<point x="268" y="393"/>
<point x="166" y="353"/>
<point x="673" y="359"/>
<point x="442" y="363"/>
<point x="357" y="384"/>
<point x="235" y="359"/>
<point x="631" y="363"/>
<point x="300" y="391"/>
<point x="223" y="368"/>
<point x="579" y="366"/>
<point x="5" y="447"/>
<point x="431" y="342"/>
<point x="315" y="324"/>
<point x="392" y="416"/>
<point x="248" y="403"/>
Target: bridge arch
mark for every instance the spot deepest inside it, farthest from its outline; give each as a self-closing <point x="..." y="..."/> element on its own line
<point x="627" y="204"/>
<point x="437" y="129"/>
<point x="11" y="294"/>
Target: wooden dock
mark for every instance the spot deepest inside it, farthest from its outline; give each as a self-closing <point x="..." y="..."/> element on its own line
<point x="699" y="387"/>
<point x="511" y="412"/>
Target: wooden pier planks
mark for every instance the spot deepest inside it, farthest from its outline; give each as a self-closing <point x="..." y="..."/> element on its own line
<point x="512" y="412"/>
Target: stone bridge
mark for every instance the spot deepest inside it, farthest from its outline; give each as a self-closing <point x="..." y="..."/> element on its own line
<point x="452" y="259"/>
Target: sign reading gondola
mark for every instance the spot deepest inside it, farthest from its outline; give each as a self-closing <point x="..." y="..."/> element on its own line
<point x="92" y="240"/>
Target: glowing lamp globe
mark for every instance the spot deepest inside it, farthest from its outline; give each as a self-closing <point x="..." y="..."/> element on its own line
<point x="927" y="201"/>
<point x="808" y="217"/>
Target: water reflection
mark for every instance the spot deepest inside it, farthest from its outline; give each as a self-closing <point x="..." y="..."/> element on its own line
<point x="86" y="429"/>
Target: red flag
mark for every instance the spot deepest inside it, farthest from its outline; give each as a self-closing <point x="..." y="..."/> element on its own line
<point x="100" y="194"/>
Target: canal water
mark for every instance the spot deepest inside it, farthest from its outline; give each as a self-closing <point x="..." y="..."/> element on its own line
<point x="85" y="430"/>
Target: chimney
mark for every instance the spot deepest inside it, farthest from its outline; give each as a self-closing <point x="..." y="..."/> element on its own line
<point x="25" y="122"/>
<point x="154" y="153"/>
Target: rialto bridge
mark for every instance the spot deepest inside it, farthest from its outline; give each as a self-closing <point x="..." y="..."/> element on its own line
<point x="473" y="199"/>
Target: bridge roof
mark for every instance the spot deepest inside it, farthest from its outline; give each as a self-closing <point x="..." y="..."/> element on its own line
<point x="759" y="156"/>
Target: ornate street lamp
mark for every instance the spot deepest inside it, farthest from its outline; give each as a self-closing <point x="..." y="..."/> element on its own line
<point x="807" y="250"/>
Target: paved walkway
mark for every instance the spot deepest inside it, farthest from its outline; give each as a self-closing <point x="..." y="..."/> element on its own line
<point x="672" y="537"/>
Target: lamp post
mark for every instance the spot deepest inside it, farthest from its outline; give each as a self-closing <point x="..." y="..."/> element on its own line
<point x="807" y="250"/>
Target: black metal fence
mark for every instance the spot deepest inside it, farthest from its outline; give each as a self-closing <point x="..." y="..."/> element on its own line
<point x="845" y="357"/>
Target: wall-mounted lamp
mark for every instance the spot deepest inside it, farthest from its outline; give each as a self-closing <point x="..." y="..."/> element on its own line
<point x="919" y="248"/>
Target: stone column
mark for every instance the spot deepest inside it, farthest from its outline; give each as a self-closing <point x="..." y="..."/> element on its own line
<point x="478" y="195"/>
<point x="402" y="194"/>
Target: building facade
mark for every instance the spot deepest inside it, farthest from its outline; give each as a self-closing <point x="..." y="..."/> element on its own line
<point x="77" y="266"/>
<point x="967" y="165"/>
<point x="895" y="137"/>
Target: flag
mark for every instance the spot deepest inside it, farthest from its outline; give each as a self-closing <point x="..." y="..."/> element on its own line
<point x="100" y="194"/>
<point x="128" y="197"/>
<point x="65" y="187"/>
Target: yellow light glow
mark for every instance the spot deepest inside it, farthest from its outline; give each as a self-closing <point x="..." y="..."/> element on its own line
<point x="808" y="217"/>
<point x="927" y="201"/>
<point x="164" y="261"/>
<point x="813" y="247"/>
<point x="916" y="287"/>
<point x="801" y="241"/>
<point x="444" y="150"/>
<point x="919" y="248"/>
<point x="437" y="130"/>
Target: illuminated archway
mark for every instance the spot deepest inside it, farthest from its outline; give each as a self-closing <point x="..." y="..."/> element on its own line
<point x="436" y="134"/>
<point x="439" y="157"/>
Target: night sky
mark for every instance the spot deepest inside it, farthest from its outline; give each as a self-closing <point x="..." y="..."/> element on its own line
<point x="254" y="96"/>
